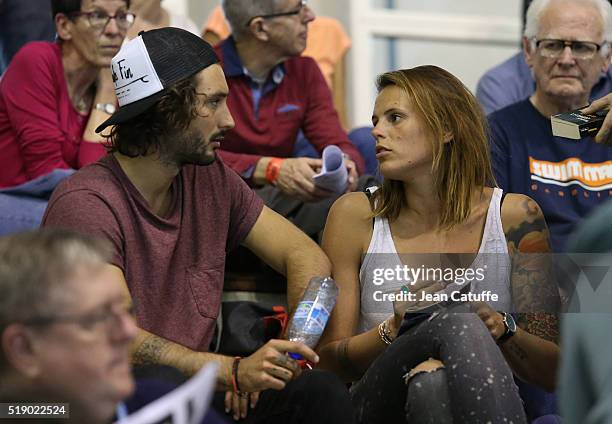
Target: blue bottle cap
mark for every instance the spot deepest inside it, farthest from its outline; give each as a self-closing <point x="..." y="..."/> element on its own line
<point x="295" y="356"/>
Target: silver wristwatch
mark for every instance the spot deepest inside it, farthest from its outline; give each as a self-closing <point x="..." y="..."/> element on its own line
<point x="106" y="108"/>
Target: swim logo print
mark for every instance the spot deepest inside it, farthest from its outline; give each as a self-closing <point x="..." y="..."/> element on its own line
<point x="133" y="73"/>
<point x="573" y="172"/>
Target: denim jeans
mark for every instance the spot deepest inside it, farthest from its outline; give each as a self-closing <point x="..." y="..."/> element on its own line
<point x="22" y="207"/>
<point x="479" y="383"/>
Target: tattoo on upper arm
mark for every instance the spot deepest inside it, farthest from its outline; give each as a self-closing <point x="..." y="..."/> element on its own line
<point x="531" y="235"/>
<point x="150" y="351"/>
<point x="535" y="293"/>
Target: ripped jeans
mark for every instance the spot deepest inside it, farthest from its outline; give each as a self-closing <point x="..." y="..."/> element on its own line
<point x="475" y="385"/>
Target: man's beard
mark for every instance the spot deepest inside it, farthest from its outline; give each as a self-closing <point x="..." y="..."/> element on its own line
<point x="188" y="148"/>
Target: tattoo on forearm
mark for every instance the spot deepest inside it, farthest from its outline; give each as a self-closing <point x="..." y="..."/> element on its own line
<point x="516" y="350"/>
<point x="284" y="361"/>
<point x="150" y="351"/>
<point x="545" y="326"/>
<point x="344" y="360"/>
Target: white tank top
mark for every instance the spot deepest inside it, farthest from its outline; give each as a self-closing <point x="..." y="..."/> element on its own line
<point x="492" y="263"/>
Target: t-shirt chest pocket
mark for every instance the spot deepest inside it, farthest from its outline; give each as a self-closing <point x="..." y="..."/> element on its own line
<point x="206" y="283"/>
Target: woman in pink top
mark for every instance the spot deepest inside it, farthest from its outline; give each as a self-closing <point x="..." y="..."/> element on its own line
<point x="52" y="97"/>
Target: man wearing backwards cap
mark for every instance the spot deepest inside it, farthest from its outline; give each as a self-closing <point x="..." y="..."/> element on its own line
<point x="171" y="211"/>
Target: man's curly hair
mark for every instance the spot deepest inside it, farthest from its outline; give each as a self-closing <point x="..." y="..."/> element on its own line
<point x="145" y="134"/>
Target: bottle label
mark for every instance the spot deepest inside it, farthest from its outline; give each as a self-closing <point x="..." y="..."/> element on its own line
<point x="315" y="317"/>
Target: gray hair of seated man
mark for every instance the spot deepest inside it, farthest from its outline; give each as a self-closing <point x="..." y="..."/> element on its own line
<point x="33" y="265"/>
<point x="239" y="12"/>
<point x="537" y="7"/>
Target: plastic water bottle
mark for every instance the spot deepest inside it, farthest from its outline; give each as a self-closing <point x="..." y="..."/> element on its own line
<point x="313" y="312"/>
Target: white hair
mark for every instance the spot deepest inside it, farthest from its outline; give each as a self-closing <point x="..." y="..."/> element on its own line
<point x="537" y="7"/>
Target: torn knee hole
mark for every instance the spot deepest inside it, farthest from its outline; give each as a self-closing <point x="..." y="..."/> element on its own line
<point x="429" y="365"/>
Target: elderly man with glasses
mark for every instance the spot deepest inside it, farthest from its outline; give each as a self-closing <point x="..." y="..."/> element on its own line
<point x="566" y="45"/>
<point x="275" y="93"/>
<point x="65" y="328"/>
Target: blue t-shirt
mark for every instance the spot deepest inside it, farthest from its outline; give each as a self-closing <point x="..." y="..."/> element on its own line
<point x="567" y="178"/>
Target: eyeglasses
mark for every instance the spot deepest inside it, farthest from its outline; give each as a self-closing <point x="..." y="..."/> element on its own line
<point x="295" y="11"/>
<point x="109" y="316"/>
<point x="580" y="49"/>
<point x="99" y="20"/>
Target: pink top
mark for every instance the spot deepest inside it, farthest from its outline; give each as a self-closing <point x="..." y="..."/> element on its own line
<point x="40" y="130"/>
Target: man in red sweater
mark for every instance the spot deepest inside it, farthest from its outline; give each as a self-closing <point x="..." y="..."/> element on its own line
<point x="275" y="93"/>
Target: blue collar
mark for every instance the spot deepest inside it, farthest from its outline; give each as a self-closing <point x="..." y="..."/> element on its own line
<point x="233" y="67"/>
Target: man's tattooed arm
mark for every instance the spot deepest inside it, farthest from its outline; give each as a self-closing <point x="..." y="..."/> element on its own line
<point x="149" y="349"/>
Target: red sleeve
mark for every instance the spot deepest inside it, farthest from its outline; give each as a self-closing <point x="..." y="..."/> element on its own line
<point x="31" y="92"/>
<point x="87" y="213"/>
<point x="90" y="152"/>
<point x="322" y="124"/>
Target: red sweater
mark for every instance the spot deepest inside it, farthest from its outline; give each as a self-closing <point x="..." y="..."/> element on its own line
<point x="40" y="130"/>
<point x="302" y="100"/>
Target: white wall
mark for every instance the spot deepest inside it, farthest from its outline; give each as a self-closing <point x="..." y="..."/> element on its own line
<point x="464" y="37"/>
<point x="177" y="6"/>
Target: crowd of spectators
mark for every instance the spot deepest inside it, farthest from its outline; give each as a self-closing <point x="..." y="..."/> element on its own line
<point x="149" y="150"/>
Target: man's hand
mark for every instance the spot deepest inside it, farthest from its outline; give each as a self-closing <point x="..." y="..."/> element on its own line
<point x="491" y="318"/>
<point x="239" y="405"/>
<point x="295" y="179"/>
<point x="604" y="135"/>
<point x="270" y="367"/>
<point x="352" y="174"/>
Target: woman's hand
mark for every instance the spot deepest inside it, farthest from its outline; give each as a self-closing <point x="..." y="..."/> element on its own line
<point x="238" y="404"/>
<point x="414" y="301"/>
<point x="491" y="318"/>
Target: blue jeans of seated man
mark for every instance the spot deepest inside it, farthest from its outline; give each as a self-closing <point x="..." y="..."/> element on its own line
<point x="22" y="207"/>
<point x="362" y="139"/>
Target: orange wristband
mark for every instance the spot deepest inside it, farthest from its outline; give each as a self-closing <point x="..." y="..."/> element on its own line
<point x="273" y="169"/>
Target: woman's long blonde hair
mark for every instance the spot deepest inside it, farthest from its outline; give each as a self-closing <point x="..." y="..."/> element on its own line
<point x="460" y="166"/>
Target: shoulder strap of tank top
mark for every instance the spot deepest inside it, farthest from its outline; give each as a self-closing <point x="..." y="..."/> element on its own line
<point x="369" y="191"/>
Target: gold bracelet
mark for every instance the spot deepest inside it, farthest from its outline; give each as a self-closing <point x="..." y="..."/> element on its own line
<point x="384" y="333"/>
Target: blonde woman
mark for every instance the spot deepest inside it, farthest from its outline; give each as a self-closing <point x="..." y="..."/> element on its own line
<point x="438" y="197"/>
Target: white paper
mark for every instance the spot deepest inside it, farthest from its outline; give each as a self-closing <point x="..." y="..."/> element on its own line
<point x="187" y="404"/>
<point x="333" y="176"/>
